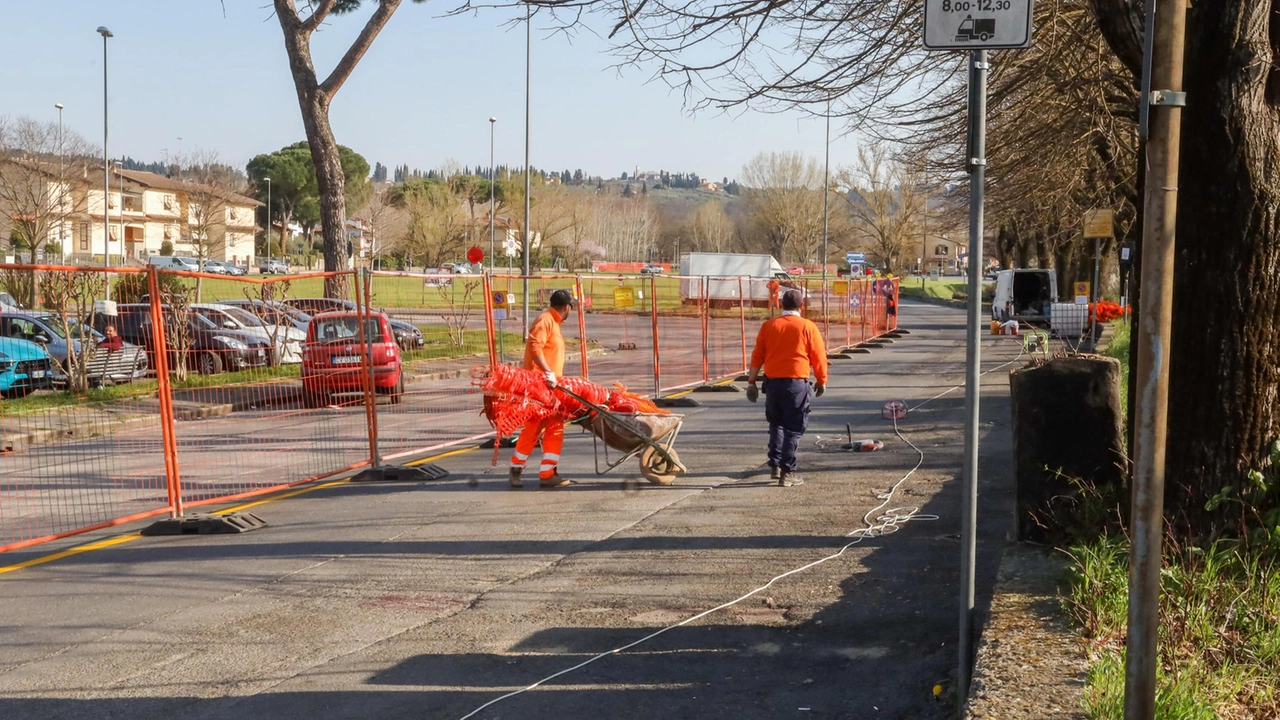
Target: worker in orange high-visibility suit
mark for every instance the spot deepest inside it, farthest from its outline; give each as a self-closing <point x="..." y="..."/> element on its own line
<point x="775" y="289"/>
<point x="544" y="352"/>
<point x="788" y="349"/>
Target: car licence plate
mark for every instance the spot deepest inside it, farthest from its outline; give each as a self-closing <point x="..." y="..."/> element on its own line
<point x="37" y="374"/>
<point x="347" y="360"/>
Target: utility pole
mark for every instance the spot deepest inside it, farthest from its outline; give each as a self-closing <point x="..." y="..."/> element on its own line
<point x="1160" y="206"/>
<point x="977" y="161"/>
<point x="826" y="194"/>
<point x="528" y="54"/>
<point x="62" y="191"/>
<point x="492" y="181"/>
<point x="106" y="169"/>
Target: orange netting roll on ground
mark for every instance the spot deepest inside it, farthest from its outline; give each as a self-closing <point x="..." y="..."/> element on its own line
<point x="515" y="397"/>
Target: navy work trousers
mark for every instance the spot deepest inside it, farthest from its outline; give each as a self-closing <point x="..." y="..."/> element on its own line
<point x="786" y="407"/>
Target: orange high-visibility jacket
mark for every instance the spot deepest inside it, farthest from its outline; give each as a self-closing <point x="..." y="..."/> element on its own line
<point x="791" y="347"/>
<point x="545" y="337"/>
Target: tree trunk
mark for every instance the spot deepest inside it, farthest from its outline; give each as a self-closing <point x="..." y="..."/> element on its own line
<point x="1225" y="358"/>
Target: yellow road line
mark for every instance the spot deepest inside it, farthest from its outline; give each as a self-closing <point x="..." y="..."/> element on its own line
<point x="97" y="545"/>
<point x="441" y="456"/>
<point x="120" y="540"/>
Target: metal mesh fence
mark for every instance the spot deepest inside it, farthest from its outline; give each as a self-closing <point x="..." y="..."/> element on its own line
<point x="259" y="401"/>
<point x="80" y="441"/>
<point x="441" y="329"/>
<point x="219" y="387"/>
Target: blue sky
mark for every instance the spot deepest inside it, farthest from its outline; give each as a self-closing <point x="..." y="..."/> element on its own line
<point x="422" y="95"/>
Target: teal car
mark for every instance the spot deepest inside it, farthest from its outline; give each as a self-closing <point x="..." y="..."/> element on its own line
<point x="24" y="367"/>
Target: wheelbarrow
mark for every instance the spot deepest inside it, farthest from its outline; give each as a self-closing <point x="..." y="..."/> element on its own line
<point x="650" y="435"/>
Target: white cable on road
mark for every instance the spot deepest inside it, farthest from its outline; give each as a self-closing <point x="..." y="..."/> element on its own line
<point x="886" y="523"/>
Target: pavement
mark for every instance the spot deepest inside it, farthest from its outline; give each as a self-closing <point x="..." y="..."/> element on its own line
<point x="429" y="600"/>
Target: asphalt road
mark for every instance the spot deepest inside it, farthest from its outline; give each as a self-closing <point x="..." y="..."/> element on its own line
<point x="428" y="600"/>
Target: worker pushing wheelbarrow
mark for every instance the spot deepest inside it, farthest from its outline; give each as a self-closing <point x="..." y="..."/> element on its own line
<point x="623" y="421"/>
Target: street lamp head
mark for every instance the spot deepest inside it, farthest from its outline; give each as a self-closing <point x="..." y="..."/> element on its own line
<point x="267" y="179"/>
<point x="58" y="105"/>
<point x="104" y="32"/>
<point x="493" y="119"/>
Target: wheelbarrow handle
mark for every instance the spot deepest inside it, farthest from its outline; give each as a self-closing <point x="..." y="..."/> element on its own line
<point x="590" y="405"/>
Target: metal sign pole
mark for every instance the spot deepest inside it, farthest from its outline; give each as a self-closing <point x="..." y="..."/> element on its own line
<point x="973" y="361"/>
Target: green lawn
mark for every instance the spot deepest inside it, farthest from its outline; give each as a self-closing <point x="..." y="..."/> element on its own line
<point x="1219" y="630"/>
<point x="1119" y="349"/>
<point x="1219" y="619"/>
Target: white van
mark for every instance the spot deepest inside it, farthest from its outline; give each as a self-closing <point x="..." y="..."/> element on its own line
<point x="1025" y="295"/>
<point x="174" y="262"/>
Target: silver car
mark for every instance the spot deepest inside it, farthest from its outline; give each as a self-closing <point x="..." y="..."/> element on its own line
<point x="287" y="339"/>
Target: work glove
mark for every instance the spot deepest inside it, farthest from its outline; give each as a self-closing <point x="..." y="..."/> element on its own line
<point x="551" y="379"/>
<point x="753" y="392"/>
<point x="819" y="389"/>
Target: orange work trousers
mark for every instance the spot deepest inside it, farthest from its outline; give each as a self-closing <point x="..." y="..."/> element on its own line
<point x="552" y="432"/>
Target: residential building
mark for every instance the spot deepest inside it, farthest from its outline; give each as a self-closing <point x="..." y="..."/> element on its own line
<point x="144" y="211"/>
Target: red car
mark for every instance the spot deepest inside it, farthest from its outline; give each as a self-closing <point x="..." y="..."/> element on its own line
<point x="331" y="361"/>
<point x="797" y="270"/>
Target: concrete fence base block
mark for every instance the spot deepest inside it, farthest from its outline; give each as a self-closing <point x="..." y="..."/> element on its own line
<point x="679" y="402"/>
<point x="199" y="524"/>
<point x="402" y="473"/>
<point x="717" y="388"/>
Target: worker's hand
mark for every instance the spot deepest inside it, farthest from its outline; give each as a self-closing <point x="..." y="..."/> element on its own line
<point x="551" y="379"/>
<point x="753" y="392"/>
<point x="819" y="389"/>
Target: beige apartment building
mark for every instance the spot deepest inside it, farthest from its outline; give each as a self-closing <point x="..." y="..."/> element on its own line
<point x="144" y="210"/>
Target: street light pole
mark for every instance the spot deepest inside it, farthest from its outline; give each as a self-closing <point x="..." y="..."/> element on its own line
<point x="268" y="265"/>
<point x="492" y="180"/>
<point x="62" y="187"/>
<point x="826" y="195"/>
<point x="528" y="54"/>
<point x="106" y="166"/>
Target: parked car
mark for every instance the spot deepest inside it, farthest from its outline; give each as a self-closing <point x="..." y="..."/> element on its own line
<point x="274" y="267"/>
<point x="101" y="367"/>
<point x="174" y="262"/>
<point x="214" y="267"/>
<point x="331" y="362"/>
<point x="286" y="339"/>
<point x="274" y="313"/>
<point x="8" y="303"/>
<point x="794" y="271"/>
<point x="212" y="348"/>
<point x="227" y="268"/>
<point x="461" y="269"/>
<point x="651" y="269"/>
<point x="408" y="336"/>
<point x="24" y="368"/>
<point x="436" y="280"/>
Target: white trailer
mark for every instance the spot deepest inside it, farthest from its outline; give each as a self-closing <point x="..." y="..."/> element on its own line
<point x="728" y="276"/>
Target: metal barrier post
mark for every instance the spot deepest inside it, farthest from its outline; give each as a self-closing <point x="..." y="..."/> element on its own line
<point x="742" y="321"/>
<point x="826" y="313"/>
<point x="489" y="328"/>
<point x="366" y="367"/>
<point x="165" y="395"/>
<point x="653" y="310"/>
<point x="706" y="329"/>
<point x="582" y="322"/>
<point x="848" y="329"/>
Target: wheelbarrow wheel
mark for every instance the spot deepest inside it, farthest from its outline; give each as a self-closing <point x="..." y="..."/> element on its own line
<point x="657" y="469"/>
